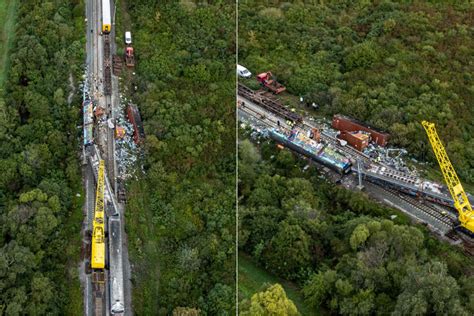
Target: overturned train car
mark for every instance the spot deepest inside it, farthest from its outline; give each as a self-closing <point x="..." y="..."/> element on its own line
<point x="324" y="154"/>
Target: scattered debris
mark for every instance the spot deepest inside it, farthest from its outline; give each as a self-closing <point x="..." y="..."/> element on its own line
<point x="126" y="151"/>
<point x="119" y="132"/>
<point x="110" y="123"/>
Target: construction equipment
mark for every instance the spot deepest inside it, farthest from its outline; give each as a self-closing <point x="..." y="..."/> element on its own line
<point x="266" y="80"/>
<point x="129" y="57"/>
<point x="461" y="202"/>
<point x="98" y="245"/>
<point x="98" y="226"/>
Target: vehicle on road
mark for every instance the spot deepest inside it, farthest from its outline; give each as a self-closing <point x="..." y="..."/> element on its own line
<point x="243" y="72"/>
<point x="128" y="38"/>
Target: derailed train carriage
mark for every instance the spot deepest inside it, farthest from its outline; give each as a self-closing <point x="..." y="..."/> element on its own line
<point x="323" y="153"/>
<point x="88" y="122"/>
<point x="411" y="185"/>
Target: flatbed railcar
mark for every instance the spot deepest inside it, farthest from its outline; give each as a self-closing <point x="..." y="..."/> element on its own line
<point x="269" y="104"/>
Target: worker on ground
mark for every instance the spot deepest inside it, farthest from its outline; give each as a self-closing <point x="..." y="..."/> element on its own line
<point x="278" y="123"/>
<point x="301" y="100"/>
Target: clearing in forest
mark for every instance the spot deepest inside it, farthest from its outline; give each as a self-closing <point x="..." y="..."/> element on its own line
<point x="7" y="18"/>
<point x="253" y="278"/>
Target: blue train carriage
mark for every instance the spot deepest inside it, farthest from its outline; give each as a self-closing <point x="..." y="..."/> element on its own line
<point x="88" y="113"/>
<point x="319" y="152"/>
<point x="88" y="135"/>
<point x="336" y="159"/>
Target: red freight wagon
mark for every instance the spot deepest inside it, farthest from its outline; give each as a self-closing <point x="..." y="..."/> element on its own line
<point x="344" y="123"/>
<point x="357" y="140"/>
<point x="134" y="118"/>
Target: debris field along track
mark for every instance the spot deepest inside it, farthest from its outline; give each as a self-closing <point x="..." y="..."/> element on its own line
<point x="273" y="123"/>
<point x="347" y="149"/>
<point x="269" y="104"/>
<point x="277" y="108"/>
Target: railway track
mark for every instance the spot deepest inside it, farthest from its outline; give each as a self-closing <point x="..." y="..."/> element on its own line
<point x="432" y="212"/>
<point x="98" y="291"/>
<point x="107" y="66"/>
<point x="259" y="116"/>
<point x="268" y="104"/>
<point x="455" y="236"/>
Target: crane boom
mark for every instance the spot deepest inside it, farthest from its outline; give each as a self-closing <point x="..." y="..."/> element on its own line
<point x="461" y="202"/>
<point x="98" y="231"/>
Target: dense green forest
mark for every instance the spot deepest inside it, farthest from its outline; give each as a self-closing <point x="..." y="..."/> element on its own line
<point x="342" y="248"/>
<point x="389" y="63"/>
<point x="40" y="214"/>
<point x="181" y="211"/>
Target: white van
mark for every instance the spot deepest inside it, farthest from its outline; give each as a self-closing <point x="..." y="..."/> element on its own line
<point x="243" y="72"/>
<point x="128" y="38"/>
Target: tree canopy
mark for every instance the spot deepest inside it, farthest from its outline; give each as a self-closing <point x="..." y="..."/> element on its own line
<point x="39" y="243"/>
<point x="271" y="301"/>
<point x="181" y="218"/>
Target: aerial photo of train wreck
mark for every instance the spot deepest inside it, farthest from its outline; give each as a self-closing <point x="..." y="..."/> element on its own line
<point x="355" y="157"/>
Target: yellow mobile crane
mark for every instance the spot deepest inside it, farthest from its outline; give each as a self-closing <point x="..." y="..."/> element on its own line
<point x="98" y="231"/>
<point x="98" y="245"/>
<point x="461" y="202"/>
